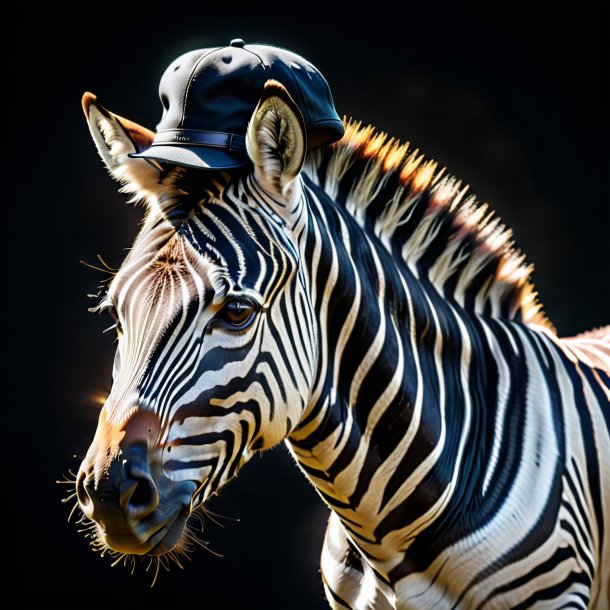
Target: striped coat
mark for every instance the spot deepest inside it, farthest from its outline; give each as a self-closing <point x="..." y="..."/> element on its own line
<point x="357" y="304"/>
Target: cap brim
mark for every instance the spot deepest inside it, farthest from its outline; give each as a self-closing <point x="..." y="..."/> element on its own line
<point x="200" y="157"/>
<point x="323" y="132"/>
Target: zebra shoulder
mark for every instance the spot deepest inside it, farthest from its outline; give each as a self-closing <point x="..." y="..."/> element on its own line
<point x="592" y="347"/>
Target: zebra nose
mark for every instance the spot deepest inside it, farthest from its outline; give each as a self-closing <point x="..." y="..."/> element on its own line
<point x="83" y="496"/>
<point x="138" y="493"/>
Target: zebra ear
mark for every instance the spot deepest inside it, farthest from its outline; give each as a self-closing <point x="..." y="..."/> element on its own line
<point x="116" y="137"/>
<point x="276" y="140"/>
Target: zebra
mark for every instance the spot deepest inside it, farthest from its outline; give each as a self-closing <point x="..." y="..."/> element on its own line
<point x="357" y="303"/>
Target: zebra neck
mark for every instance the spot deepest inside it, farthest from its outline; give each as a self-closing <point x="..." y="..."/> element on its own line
<point x="426" y="220"/>
<point x="388" y="406"/>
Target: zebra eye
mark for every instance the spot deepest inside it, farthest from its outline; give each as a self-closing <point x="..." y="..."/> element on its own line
<point x="112" y="312"/>
<point x="115" y="316"/>
<point x="239" y="313"/>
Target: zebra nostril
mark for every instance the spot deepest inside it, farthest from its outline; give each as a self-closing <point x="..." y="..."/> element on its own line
<point x="142" y="496"/>
<point x="138" y="492"/>
<point x="82" y="495"/>
<point x="139" y="497"/>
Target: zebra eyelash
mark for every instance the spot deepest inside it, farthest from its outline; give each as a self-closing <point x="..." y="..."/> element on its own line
<point x="115" y="326"/>
<point x="106" y="304"/>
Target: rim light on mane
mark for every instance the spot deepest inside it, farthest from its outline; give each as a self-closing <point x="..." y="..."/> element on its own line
<point x="477" y="245"/>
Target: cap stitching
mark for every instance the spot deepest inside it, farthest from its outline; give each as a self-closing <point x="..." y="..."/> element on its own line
<point x="325" y="120"/>
<point x="255" y="55"/>
<point x="190" y="81"/>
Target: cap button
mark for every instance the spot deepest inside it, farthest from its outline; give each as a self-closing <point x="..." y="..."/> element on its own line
<point x="237" y="42"/>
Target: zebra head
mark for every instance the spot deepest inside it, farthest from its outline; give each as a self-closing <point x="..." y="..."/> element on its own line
<point x="216" y="333"/>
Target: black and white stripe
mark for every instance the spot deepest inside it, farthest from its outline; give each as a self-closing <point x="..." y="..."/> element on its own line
<point x="399" y="349"/>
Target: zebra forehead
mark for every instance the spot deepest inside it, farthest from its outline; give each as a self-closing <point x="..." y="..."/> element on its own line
<point x="187" y="252"/>
<point x="181" y="261"/>
<point x="169" y="276"/>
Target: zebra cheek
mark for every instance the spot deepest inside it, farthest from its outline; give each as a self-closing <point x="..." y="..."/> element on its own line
<point x="185" y="456"/>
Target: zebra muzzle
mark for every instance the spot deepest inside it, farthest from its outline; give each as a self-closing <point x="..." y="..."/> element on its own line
<point x="137" y="509"/>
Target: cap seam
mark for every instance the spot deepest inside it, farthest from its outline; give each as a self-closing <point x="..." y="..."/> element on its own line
<point x="327" y="120"/>
<point x="255" y="55"/>
<point x="307" y="86"/>
<point x="301" y="102"/>
<point x="190" y="82"/>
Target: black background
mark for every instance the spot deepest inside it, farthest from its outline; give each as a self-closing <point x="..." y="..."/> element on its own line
<point x="513" y="100"/>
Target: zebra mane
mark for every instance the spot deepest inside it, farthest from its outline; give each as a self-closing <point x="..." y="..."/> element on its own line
<point x="425" y="216"/>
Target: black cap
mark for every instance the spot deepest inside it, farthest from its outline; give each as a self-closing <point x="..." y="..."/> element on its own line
<point x="209" y="96"/>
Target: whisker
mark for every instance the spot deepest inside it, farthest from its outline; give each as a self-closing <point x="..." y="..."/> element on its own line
<point x="105" y="268"/>
<point x="105" y="264"/>
<point x="210" y="517"/>
<point x="70" y="480"/>
<point x="211" y="514"/>
<point x="96" y="268"/>
<point x="197" y="515"/>
<point x="74" y="508"/>
<point x="182" y="552"/>
<point x="190" y="536"/>
<point x="156" y="573"/>
<point x="155" y="564"/>
<point x="174" y="557"/>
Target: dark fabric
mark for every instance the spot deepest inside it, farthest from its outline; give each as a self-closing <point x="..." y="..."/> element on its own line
<point x="199" y="137"/>
<point x="216" y="90"/>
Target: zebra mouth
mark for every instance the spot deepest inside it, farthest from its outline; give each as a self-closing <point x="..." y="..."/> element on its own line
<point x="145" y="538"/>
<point x="169" y="535"/>
<point x="156" y="534"/>
<point x="136" y="509"/>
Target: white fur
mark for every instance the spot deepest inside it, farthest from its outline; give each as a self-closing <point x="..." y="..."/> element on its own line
<point x="276" y="142"/>
<point x="138" y="177"/>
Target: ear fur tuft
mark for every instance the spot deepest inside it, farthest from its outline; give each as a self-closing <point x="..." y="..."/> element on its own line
<point x="276" y="139"/>
<point x="115" y="138"/>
